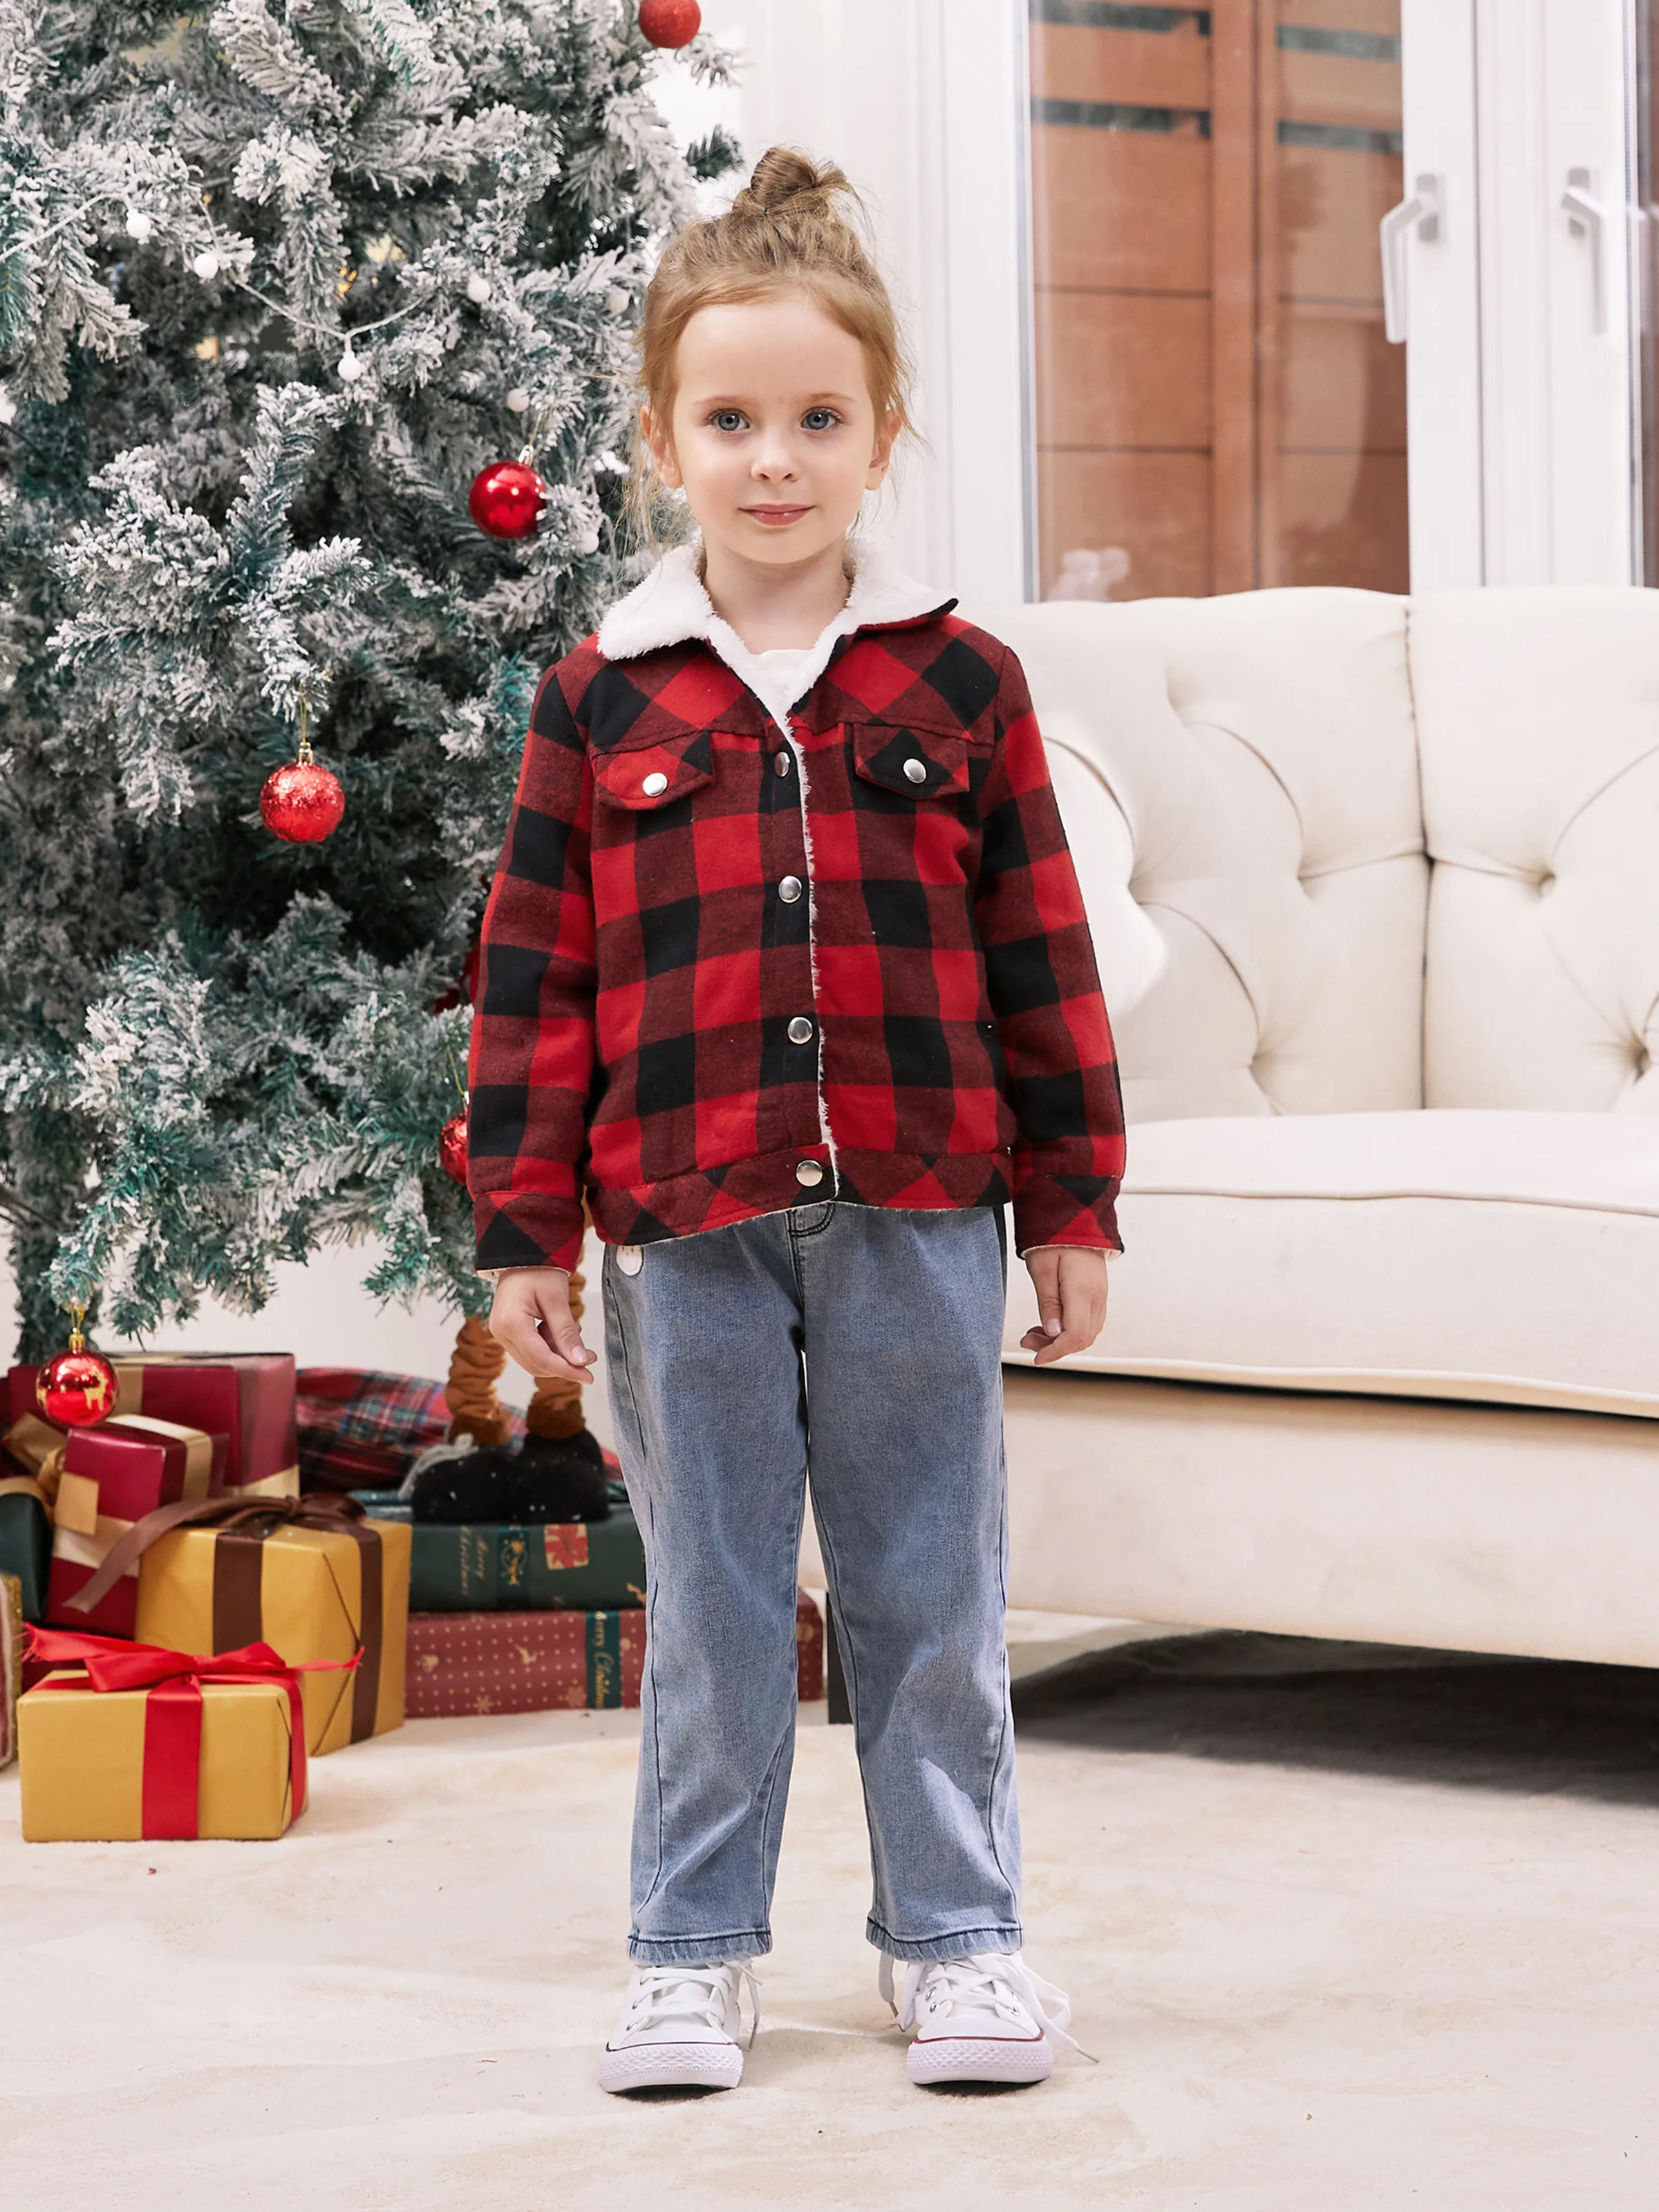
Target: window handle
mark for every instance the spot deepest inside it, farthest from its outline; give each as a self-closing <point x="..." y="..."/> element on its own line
<point x="1587" y="218"/>
<point x="1422" y="213"/>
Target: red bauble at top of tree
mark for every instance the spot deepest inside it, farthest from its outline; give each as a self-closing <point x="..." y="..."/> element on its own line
<point x="669" y="22"/>
<point x="506" y="499"/>
<point x="76" y="1388"/>
<point x="303" y="802"/>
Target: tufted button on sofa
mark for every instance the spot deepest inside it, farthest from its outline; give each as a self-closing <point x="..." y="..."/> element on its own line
<point x="1374" y="886"/>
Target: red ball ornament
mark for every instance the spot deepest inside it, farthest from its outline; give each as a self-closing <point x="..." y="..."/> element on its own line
<point x="76" y="1388"/>
<point x="451" y="1148"/>
<point x="506" y="499"/>
<point x="669" y="22"/>
<point x="302" y="804"/>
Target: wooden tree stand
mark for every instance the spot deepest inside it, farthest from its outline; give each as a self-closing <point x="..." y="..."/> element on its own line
<point x="555" y="1407"/>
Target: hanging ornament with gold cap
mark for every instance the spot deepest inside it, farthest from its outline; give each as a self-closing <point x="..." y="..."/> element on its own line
<point x="76" y="1388"/>
<point x="507" y="498"/>
<point x="302" y="802"/>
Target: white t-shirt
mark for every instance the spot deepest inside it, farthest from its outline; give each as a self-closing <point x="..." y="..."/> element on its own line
<point x="785" y="670"/>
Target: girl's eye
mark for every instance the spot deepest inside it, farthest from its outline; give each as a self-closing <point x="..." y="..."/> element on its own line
<point x="727" y="418"/>
<point x="819" y="418"/>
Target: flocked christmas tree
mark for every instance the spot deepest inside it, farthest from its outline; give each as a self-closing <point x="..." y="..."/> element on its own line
<point x="277" y="281"/>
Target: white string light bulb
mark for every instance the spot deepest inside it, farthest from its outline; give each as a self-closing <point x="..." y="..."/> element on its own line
<point x="206" y="265"/>
<point x="141" y="227"/>
<point x="518" y="399"/>
<point x="8" y="406"/>
<point x="478" y="288"/>
<point x="616" y="300"/>
<point x="351" y="368"/>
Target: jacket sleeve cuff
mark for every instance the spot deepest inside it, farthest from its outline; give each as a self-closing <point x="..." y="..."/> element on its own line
<point x="519" y="1236"/>
<point x="1050" y="1210"/>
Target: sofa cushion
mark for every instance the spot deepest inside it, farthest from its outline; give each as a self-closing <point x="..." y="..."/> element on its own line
<point x="1504" y="1257"/>
<point x="1238" y="781"/>
<point x="1538" y="713"/>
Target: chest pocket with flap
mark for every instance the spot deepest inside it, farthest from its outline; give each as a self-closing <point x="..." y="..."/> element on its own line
<point x="642" y="778"/>
<point x="912" y="764"/>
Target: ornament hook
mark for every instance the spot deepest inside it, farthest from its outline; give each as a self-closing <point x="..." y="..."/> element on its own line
<point x="305" y="742"/>
<point x="527" y="458"/>
<point x="77" y="1332"/>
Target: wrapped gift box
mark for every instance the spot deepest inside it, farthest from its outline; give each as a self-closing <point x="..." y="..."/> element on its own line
<point x="95" y="1762"/>
<point x="247" y="1397"/>
<point x="313" y="1592"/>
<point x="488" y="1566"/>
<point x="11" y="1663"/>
<point x="462" y="1663"/>
<point x="26" y="1541"/>
<point x="111" y="1476"/>
<point x="808" y="1650"/>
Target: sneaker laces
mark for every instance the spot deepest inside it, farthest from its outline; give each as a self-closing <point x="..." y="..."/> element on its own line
<point x="696" y="1995"/>
<point x="997" y="1982"/>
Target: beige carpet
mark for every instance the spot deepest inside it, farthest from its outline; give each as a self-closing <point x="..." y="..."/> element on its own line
<point x="1345" y="1932"/>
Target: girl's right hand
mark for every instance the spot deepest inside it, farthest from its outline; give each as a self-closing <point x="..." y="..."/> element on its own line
<point x="531" y="1317"/>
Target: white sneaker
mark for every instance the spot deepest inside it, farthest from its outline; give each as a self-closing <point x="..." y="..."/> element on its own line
<point x="983" y="2018"/>
<point x="679" y="2026"/>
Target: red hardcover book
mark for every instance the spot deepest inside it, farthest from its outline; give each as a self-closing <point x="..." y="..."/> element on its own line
<point x="462" y="1663"/>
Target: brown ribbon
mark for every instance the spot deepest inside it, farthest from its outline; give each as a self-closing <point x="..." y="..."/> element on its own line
<point x="242" y="1525"/>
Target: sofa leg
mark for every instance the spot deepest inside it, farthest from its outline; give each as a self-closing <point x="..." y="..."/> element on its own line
<point x="834" y="1680"/>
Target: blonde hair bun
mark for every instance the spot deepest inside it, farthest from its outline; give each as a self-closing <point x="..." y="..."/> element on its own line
<point x="786" y="179"/>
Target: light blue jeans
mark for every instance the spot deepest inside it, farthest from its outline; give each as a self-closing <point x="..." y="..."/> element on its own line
<point x="864" y="1345"/>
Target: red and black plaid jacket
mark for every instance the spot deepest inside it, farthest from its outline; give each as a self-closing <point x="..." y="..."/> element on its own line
<point x="724" y="973"/>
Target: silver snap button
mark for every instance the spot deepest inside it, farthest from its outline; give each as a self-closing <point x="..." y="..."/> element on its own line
<point x="653" y="783"/>
<point x="916" y="771"/>
<point x="790" y="889"/>
<point x="809" y="1174"/>
<point x="782" y="763"/>
<point x="800" y="1030"/>
<point x="631" y="1258"/>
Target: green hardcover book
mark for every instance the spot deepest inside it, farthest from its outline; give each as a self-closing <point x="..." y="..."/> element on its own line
<point x="487" y="1566"/>
<point x="25" y="1547"/>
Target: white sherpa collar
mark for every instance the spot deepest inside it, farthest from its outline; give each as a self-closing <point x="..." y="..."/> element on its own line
<point x="671" y="607"/>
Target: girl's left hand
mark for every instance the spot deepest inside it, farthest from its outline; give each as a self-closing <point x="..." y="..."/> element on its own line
<point x="1071" y="1288"/>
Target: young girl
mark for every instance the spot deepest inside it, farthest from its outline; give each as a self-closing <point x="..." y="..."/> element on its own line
<point x="786" y="973"/>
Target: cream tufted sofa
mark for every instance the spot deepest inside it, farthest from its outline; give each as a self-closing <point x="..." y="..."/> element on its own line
<point x="1375" y="887"/>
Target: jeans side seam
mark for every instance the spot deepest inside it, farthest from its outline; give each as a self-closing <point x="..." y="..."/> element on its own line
<point x="651" y="1586"/>
<point x="999" y="1762"/>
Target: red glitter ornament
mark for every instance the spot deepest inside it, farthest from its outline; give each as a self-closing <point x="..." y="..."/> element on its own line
<point x="302" y="803"/>
<point x="506" y="499"/>
<point x="76" y="1388"/>
<point x="451" y="1148"/>
<point x="669" y="22"/>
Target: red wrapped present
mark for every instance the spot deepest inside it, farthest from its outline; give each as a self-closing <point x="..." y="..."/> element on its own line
<point x="111" y="1476"/>
<point x="462" y="1663"/>
<point x="808" y="1650"/>
<point x="246" y="1396"/>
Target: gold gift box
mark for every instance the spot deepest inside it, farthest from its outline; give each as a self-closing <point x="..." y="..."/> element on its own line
<point x="307" y="1604"/>
<point x="81" y="1752"/>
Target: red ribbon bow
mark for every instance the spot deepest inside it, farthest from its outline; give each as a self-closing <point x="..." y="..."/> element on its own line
<point x="172" y="1711"/>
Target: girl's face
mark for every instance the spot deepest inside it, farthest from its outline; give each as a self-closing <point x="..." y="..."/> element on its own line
<point x="773" y="433"/>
